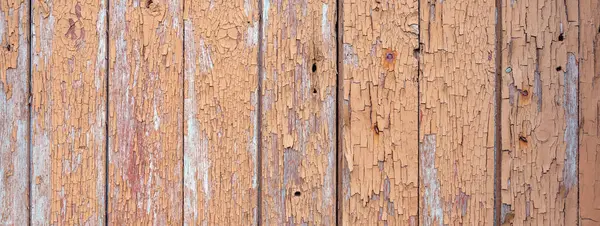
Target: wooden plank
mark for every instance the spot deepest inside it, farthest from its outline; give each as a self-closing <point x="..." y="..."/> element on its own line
<point x="68" y="112"/>
<point x="457" y="112"/>
<point x="221" y="112"/>
<point x="14" y="112"/>
<point x="146" y="112"/>
<point x="298" y="94"/>
<point x="589" y="98"/>
<point x="539" y="112"/>
<point x="379" y="113"/>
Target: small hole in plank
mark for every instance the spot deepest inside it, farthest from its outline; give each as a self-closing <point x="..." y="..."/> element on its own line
<point x="314" y="90"/>
<point x="297" y="193"/>
<point x="561" y="37"/>
<point x="559" y="68"/>
<point x="314" y="67"/>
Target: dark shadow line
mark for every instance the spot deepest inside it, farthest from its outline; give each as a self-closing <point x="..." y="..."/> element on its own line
<point x="259" y="115"/>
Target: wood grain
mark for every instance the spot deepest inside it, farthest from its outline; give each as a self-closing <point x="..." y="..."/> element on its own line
<point x="589" y="100"/>
<point x="298" y="94"/>
<point x="68" y="112"/>
<point x="221" y="112"/>
<point x="14" y="112"/>
<point x="379" y="113"/>
<point x="145" y="112"/>
<point x="457" y="112"/>
<point x="540" y="112"/>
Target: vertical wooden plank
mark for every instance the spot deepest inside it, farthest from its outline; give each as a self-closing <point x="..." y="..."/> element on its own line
<point x="146" y="112"/>
<point x="14" y="113"/>
<point x="298" y="94"/>
<point x="379" y="112"/>
<point x="589" y="98"/>
<point x="539" y="112"/>
<point x="221" y="112"/>
<point x="457" y="112"/>
<point x="68" y="112"/>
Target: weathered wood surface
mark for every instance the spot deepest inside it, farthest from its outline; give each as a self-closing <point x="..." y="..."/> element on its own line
<point x="457" y="111"/>
<point x="221" y="112"/>
<point x="345" y="112"/>
<point x="589" y="112"/>
<point x="145" y="112"/>
<point x="298" y="99"/>
<point x="68" y="112"/>
<point x="539" y="112"/>
<point x="379" y="113"/>
<point x="14" y="111"/>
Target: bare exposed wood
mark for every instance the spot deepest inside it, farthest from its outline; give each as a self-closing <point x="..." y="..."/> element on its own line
<point x="379" y="113"/>
<point x="298" y="112"/>
<point x="14" y="32"/>
<point x="221" y="112"/>
<point x="68" y="112"/>
<point x="539" y="112"/>
<point x="457" y="112"/>
<point x="146" y="112"/>
<point x="589" y="100"/>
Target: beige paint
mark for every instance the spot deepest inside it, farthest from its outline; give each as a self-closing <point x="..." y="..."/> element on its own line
<point x="457" y="98"/>
<point x="589" y="112"/>
<point x="379" y="113"/>
<point x="145" y="112"/>
<point x="539" y="112"/>
<point x="298" y="112"/>
<point x="68" y="112"/>
<point x="221" y="112"/>
<point x="14" y="33"/>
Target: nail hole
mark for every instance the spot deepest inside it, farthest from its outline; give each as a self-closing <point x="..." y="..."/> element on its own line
<point x="9" y="47"/>
<point x="389" y="56"/>
<point x="314" y="67"/>
<point x="314" y="90"/>
<point x="376" y="128"/>
<point x="559" y="68"/>
<point x="416" y="52"/>
<point x="522" y="138"/>
<point x="297" y="194"/>
<point x="561" y="37"/>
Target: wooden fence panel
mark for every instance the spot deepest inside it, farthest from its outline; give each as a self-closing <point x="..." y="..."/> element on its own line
<point x="146" y="112"/>
<point x="589" y="98"/>
<point x="68" y="112"/>
<point x="298" y="97"/>
<point x="539" y="112"/>
<point x="14" y="112"/>
<point x="457" y="112"/>
<point x="221" y="112"/>
<point x="379" y="113"/>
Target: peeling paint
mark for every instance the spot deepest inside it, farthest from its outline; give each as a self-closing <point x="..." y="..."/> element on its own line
<point x="433" y="209"/>
<point x="571" y="107"/>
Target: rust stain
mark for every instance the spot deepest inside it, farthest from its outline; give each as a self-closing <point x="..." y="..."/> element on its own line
<point x="388" y="60"/>
<point x="379" y="118"/>
<point x="540" y="131"/>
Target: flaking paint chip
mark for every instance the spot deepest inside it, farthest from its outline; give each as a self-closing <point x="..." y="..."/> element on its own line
<point x="288" y="141"/>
